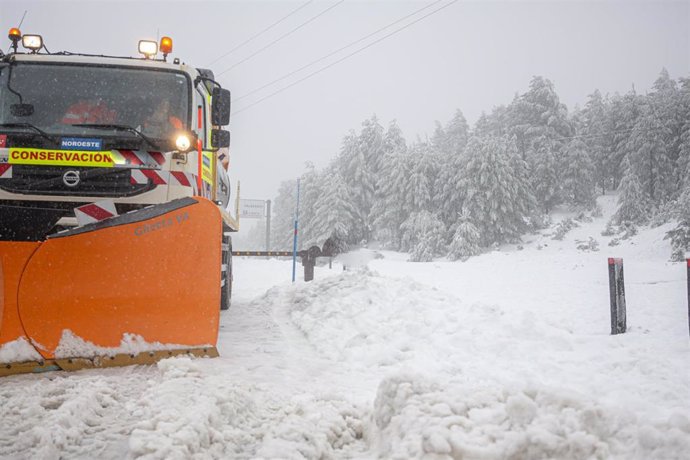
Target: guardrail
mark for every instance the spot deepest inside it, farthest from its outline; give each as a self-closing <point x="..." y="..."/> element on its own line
<point x="308" y="257"/>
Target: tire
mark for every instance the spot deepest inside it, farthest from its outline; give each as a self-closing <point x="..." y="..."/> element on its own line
<point x="226" y="270"/>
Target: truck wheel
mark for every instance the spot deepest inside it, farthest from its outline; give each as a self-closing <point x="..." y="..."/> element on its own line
<point x="226" y="270"/>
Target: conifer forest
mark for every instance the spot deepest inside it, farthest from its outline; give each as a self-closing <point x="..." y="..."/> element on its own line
<point x="464" y="188"/>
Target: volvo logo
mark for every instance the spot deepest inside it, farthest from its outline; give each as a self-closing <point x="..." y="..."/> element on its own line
<point x="71" y="178"/>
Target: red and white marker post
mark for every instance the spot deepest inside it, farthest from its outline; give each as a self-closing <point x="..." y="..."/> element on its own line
<point x="617" y="295"/>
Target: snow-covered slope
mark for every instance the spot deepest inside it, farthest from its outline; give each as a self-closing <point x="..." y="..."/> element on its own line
<point x="507" y="355"/>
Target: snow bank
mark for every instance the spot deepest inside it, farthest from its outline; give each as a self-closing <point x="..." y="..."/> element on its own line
<point x="361" y="317"/>
<point x="376" y="323"/>
<point x="57" y="415"/>
<point x="18" y="351"/>
<point x="414" y="417"/>
<point x="511" y="361"/>
<point x="357" y="258"/>
<point x="220" y="418"/>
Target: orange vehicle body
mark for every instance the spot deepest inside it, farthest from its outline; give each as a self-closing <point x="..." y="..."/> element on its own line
<point x="104" y="282"/>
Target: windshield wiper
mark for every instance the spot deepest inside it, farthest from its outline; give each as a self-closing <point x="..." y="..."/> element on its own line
<point x="35" y="128"/>
<point x="119" y="128"/>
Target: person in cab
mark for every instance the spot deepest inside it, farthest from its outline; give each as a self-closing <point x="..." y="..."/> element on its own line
<point x="162" y="120"/>
<point x="91" y="111"/>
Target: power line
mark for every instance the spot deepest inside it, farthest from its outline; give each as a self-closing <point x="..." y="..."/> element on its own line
<point x="261" y="32"/>
<point x="336" y="51"/>
<point x="344" y="58"/>
<point x="313" y="18"/>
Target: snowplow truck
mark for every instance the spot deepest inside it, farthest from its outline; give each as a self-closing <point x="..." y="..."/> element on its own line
<point x="114" y="236"/>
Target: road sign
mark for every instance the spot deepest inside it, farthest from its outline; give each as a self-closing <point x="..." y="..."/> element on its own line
<point x="252" y="209"/>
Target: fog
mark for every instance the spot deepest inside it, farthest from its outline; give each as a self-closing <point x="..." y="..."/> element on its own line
<point x="469" y="55"/>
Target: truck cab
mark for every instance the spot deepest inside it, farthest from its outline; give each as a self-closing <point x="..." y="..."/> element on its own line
<point x="76" y="129"/>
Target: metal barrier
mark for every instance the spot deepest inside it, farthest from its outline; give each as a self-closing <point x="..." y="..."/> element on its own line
<point x="308" y="257"/>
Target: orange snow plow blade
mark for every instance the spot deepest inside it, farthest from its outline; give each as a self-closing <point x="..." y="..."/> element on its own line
<point x="127" y="290"/>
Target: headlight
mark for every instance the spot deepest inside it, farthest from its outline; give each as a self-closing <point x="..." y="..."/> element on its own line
<point x="148" y="48"/>
<point x="183" y="142"/>
<point x="32" y="42"/>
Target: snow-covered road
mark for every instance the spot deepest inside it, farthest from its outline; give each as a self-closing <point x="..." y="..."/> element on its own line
<point x="507" y="355"/>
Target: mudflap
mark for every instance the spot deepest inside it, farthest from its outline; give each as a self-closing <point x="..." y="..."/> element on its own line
<point x="127" y="290"/>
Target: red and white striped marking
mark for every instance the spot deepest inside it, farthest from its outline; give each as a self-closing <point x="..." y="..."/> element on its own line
<point x="137" y="158"/>
<point x="95" y="212"/>
<point x="5" y="171"/>
<point x="142" y="176"/>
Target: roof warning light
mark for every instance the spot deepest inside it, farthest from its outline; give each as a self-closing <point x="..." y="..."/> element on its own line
<point x="166" y="46"/>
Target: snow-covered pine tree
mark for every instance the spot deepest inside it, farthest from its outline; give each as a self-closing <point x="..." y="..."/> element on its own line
<point x="544" y="168"/>
<point x="423" y="235"/>
<point x="523" y="197"/>
<point x="578" y="187"/>
<point x="596" y="134"/>
<point x="332" y="211"/>
<point x="684" y="145"/>
<point x="665" y="101"/>
<point x="465" y="242"/>
<point x="577" y="119"/>
<point x="423" y="232"/>
<point x="540" y="124"/>
<point x="351" y="165"/>
<point x="371" y="143"/>
<point x="623" y="115"/>
<point x="537" y="115"/>
<point x="449" y="153"/>
<point x="372" y="150"/>
<point x="680" y="235"/>
<point x="424" y="167"/>
<point x="632" y="200"/>
<point x="311" y="188"/>
<point x="359" y="163"/>
<point x="438" y="139"/>
<point x="494" y="197"/>
<point x="649" y="157"/>
<point x="391" y="207"/>
<point x="457" y="132"/>
<point x="282" y="221"/>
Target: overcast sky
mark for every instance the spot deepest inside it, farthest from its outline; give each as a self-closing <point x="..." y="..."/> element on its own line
<point x="470" y="55"/>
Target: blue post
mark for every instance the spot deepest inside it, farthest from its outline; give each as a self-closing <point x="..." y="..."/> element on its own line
<point x="294" y="238"/>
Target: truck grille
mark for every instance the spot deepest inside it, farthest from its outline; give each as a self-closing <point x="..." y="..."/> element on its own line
<point x="48" y="180"/>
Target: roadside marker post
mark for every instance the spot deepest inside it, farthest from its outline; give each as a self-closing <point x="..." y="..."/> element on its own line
<point x="688" y="271"/>
<point x="617" y="295"/>
<point x="294" y="237"/>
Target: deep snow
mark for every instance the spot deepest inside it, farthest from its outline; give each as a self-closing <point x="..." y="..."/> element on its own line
<point x="507" y="355"/>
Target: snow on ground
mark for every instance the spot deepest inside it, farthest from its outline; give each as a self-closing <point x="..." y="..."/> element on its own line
<point x="507" y="355"/>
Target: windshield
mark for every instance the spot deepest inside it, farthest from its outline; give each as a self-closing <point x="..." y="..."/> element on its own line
<point x="59" y="97"/>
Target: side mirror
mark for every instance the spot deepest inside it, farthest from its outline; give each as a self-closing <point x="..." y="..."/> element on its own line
<point x="220" y="107"/>
<point x="22" y="110"/>
<point x="220" y="138"/>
